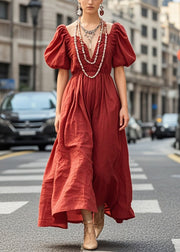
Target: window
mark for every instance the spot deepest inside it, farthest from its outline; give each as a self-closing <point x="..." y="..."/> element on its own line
<point x="154" y="51"/>
<point x="174" y="59"/>
<point x="131" y="12"/>
<point x="154" y="33"/>
<point x="144" y="12"/>
<point x="144" y="30"/>
<point x="144" y="49"/>
<point x="154" y="70"/>
<point x="174" y="71"/>
<point x="154" y="15"/>
<point x="59" y="19"/>
<point x="4" y="71"/>
<point x="132" y="36"/>
<point x="144" y="68"/>
<point x="24" y="77"/>
<point x="69" y="20"/>
<point x="23" y="13"/>
<point x="4" y="10"/>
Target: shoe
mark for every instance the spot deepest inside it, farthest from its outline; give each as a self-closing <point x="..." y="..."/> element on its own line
<point x="90" y="242"/>
<point x="99" y="222"/>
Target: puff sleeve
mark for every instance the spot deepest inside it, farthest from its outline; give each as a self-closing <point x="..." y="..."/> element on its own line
<point x="56" y="53"/>
<point x="123" y="53"/>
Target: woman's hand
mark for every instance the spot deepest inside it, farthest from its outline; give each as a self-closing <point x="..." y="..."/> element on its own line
<point x="56" y="123"/>
<point x="123" y="118"/>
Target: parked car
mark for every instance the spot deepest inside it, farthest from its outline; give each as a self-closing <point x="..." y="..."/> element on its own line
<point x="166" y="126"/>
<point x="27" y="118"/>
<point x="133" y="130"/>
<point x="145" y="127"/>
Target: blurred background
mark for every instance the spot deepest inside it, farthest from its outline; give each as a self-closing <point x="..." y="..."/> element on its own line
<point x="27" y="113"/>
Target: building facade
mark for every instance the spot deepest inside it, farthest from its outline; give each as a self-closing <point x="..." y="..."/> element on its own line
<point x="16" y="41"/>
<point x="145" y="88"/>
<point x="170" y="47"/>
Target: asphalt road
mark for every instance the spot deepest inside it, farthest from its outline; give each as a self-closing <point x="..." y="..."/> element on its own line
<point x="155" y="174"/>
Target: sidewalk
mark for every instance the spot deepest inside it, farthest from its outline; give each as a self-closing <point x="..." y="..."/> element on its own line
<point x="176" y="151"/>
<point x="4" y="152"/>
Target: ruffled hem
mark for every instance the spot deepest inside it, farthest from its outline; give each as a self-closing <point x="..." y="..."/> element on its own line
<point x="61" y="220"/>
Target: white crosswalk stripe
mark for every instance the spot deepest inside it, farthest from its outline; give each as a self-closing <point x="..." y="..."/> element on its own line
<point x="142" y="187"/>
<point x="20" y="189"/>
<point x="21" y="178"/>
<point x="136" y="169"/>
<point x="146" y="206"/>
<point x="176" y="243"/>
<point x="138" y="176"/>
<point x="33" y="164"/>
<point x="33" y="171"/>
<point x="19" y="171"/>
<point x="134" y="165"/>
<point x="10" y="207"/>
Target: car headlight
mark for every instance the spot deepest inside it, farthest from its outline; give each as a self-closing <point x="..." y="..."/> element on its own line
<point x="4" y="122"/>
<point x="162" y="129"/>
<point x="166" y="125"/>
<point x="50" y="120"/>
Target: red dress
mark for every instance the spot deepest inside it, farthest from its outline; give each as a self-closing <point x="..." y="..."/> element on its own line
<point x="89" y="163"/>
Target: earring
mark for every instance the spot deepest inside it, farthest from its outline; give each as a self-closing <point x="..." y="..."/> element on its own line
<point x="101" y="9"/>
<point x="79" y="10"/>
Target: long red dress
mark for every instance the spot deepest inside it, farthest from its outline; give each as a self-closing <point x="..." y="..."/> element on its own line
<point x="89" y="163"/>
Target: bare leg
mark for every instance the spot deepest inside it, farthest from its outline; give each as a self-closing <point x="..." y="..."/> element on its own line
<point x="99" y="221"/>
<point x="89" y="232"/>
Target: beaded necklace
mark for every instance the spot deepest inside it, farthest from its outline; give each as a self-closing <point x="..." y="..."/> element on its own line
<point x="97" y="52"/>
<point x="90" y="34"/>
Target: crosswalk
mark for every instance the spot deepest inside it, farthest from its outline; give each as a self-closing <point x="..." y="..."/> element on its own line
<point x="142" y="206"/>
<point x="33" y="172"/>
<point x="26" y="172"/>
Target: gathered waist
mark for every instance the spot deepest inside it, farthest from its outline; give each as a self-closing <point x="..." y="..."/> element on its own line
<point x="91" y="74"/>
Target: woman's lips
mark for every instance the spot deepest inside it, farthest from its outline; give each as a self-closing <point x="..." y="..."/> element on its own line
<point x="90" y="8"/>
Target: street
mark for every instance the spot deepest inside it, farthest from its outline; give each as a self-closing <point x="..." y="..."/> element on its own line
<point x="155" y="171"/>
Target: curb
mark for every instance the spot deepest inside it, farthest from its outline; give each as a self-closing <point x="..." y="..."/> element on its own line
<point x="2" y="153"/>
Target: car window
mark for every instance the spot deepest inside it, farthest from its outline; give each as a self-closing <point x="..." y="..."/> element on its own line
<point x="31" y="101"/>
<point x="167" y="118"/>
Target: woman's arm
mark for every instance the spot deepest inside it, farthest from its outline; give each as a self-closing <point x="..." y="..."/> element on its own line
<point x="62" y="79"/>
<point x="120" y="79"/>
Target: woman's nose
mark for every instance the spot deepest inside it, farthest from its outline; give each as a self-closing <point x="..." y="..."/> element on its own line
<point x="90" y="2"/>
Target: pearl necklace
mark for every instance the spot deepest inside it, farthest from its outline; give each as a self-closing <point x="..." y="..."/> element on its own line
<point x="97" y="51"/>
<point x="78" y="56"/>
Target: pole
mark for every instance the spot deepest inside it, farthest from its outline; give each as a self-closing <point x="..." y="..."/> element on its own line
<point x="179" y="111"/>
<point x="34" y="57"/>
<point x="178" y="135"/>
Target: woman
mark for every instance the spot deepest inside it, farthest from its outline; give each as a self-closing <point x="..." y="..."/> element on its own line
<point x="88" y="173"/>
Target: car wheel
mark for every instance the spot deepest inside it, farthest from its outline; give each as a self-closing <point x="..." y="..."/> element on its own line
<point x="5" y="147"/>
<point x="134" y="141"/>
<point x="42" y="147"/>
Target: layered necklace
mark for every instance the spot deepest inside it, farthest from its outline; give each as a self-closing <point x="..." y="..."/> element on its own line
<point x="90" y="34"/>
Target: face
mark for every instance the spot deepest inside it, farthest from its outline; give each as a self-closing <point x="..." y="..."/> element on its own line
<point x="90" y="6"/>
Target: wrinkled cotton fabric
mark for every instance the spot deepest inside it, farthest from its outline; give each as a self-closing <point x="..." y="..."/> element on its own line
<point x="89" y="162"/>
